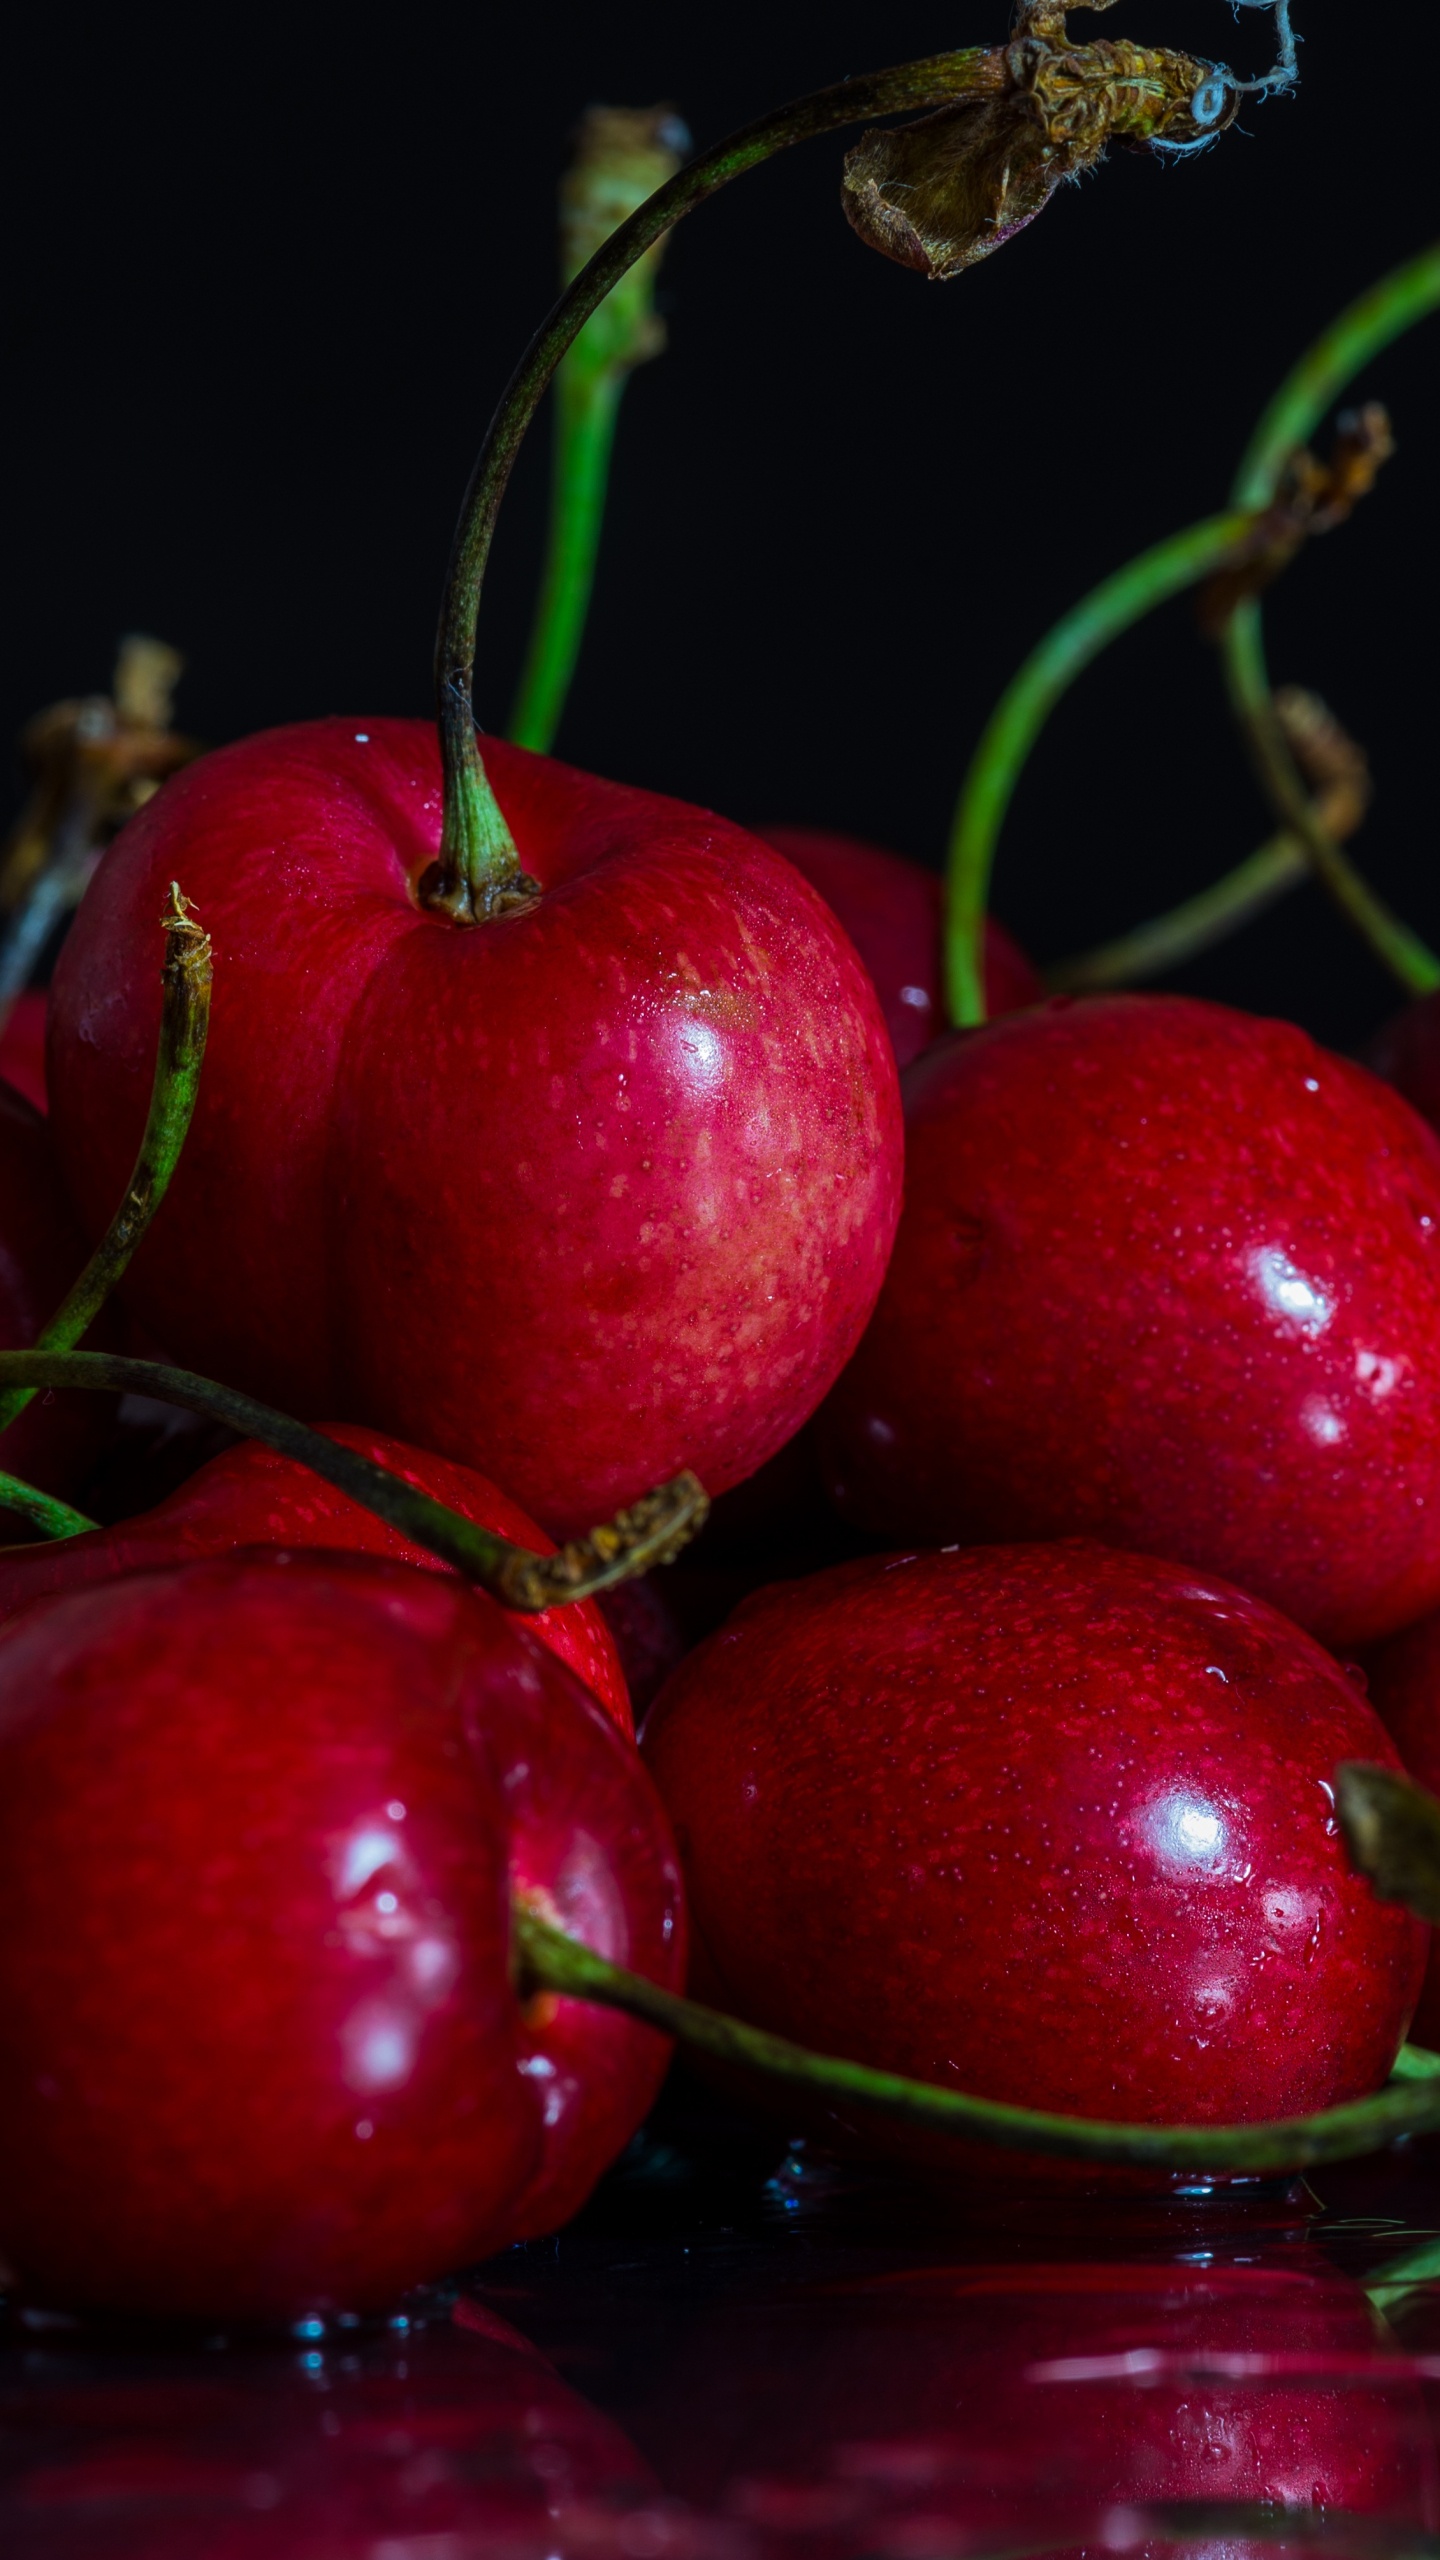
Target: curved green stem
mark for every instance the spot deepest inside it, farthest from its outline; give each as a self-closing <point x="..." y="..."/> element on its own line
<point x="622" y="155"/>
<point x="551" y="1960"/>
<point x="478" y="865"/>
<point x="44" y="1511"/>
<point x="587" y="406"/>
<point x="650" y="1532"/>
<point x="184" y="1025"/>
<point x="1187" y="930"/>
<point x="1400" y="950"/>
<point x="1021" y="713"/>
<point x="1369" y="325"/>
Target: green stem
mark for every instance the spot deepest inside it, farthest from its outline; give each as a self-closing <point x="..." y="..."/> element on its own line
<point x="1196" y="925"/>
<point x="44" y="1511"/>
<point x="1021" y="714"/>
<point x="587" y="406"/>
<point x="184" y="1024"/>
<point x="551" y="1960"/>
<point x="1406" y="296"/>
<point x="1400" y="950"/>
<point x="650" y="1532"/>
<point x="478" y="868"/>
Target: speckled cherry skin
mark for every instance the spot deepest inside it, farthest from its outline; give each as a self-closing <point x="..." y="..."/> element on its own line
<point x="1047" y="1823"/>
<point x="250" y="1496"/>
<point x="1168" y="1275"/>
<point x="1404" y="1680"/>
<point x="260" y="2046"/>
<point x="893" y="911"/>
<point x="597" y="1190"/>
<point x="57" y="1438"/>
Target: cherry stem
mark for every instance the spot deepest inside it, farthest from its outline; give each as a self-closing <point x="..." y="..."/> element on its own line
<point x="549" y="1959"/>
<point x="478" y="866"/>
<point x="650" y="1532"/>
<point x="622" y="155"/>
<point x="1166" y="570"/>
<point x="1247" y="682"/>
<point x="184" y="1025"/>
<point x="44" y="1511"/>
<point x="1185" y="931"/>
<point x="1370" y="324"/>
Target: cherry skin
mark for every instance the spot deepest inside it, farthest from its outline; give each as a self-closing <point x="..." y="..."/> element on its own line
<point x="602" y="1188"/>
<point x="1406" y="1052"/>
<point x="57" y="1438"/>
<point x="893" y="911"/>
<point x="1168" y="1275"/>
<point x="260" y="1822"/>
<point x="1049" y="1824"/>
<point x="22" y="1047"/>
<point x="250" y="1496"/>
<point x="1404" y="1676"/>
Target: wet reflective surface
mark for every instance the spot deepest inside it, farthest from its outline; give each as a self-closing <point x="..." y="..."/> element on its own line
<point x="740" y="2353"/>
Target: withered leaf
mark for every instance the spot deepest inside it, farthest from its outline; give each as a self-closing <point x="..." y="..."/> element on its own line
<point x="941" y="194"/>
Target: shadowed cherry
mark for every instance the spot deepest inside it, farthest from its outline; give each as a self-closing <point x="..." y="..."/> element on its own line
<point x="57" y="1438"/>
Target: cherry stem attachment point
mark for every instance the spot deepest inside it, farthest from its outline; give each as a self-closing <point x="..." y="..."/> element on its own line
<point x="478" y="870"/>
<point x="649" y="1532"/>
<point x="549" y="1959"/>
<point x="186" y="980"/>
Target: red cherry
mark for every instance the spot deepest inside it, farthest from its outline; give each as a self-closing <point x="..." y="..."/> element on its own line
<point x="22" y="1046"/>
<point x="602" y="1188"/>
<point x="1169" y="1276"/>
<point x="57" y="1438"/>
<point x="1049" y="1824"/>
<point x="893" y="911"/>
<point x="252" y="1497"/>
<point x="260" y="1822"/>
<point x="1404" y="1685"/>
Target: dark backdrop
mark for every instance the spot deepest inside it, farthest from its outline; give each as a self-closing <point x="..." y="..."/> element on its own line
<point x="265" y="271"/>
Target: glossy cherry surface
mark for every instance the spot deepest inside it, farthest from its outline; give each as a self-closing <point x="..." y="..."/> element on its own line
<point x="1051" y="1824"/>
<point x="41" y="1251"/>
<point x="893" y="911"/>
<point x="1168" y="1275"/>
<point x="602" y="1188"/>
<point x="252" y="1497"/>
<point x="260" y="1822"/>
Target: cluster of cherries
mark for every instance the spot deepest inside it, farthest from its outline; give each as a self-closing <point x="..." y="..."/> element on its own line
<point x="1112" y="1329"/>
<point x="1144" y="1382"/>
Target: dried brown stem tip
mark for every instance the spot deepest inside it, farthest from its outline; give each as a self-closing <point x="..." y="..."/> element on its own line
<point x="1314" y="497"/>
<point x="1392" y="1831"/>
<point x="1333" y="763"/>
<point x="941" y="194"/>
<point x="651" y="1532"/>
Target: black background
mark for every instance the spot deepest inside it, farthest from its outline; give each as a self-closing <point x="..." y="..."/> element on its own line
<point x="264" y="273"/>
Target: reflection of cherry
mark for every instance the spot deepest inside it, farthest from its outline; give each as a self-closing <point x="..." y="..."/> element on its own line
<point x="41" y="1250"/>
<point x="450" y="2437"/>
<point x="601" y="1188"/>
<point x="1168" y="1275"/>
<point x="893" y="911"/>
<point x="251" y="1497"/>
<point x="1051" y="1824"/>
<point x="982" y="2406"/>
<point x="260" y="1822"/>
